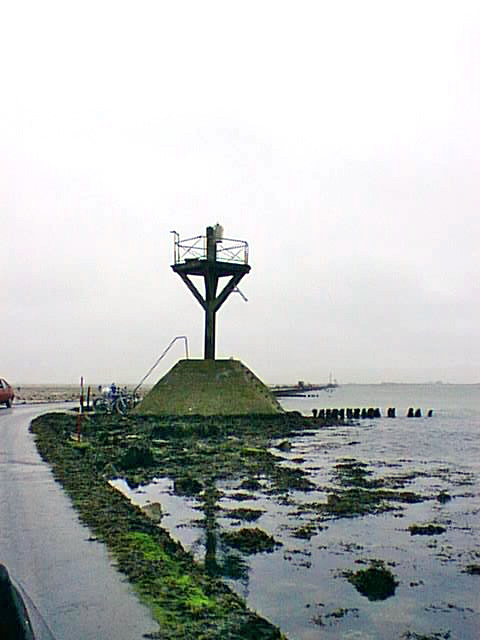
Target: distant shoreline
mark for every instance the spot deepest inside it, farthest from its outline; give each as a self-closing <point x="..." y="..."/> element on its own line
<point x="43" y="393"/>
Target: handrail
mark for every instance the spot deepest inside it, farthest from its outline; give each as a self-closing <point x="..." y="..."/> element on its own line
<point x="228" y="249"/>
<point x="164" y="353"/>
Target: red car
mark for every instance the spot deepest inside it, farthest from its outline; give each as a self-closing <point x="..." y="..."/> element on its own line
<point x="6" y="393"/>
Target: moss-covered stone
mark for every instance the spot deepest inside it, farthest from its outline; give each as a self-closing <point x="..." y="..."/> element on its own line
<point x="443" y="497"/>
<point x="353" y="473"/>
<point x="250" y="540"/>
<point x="375" y="583"/>
<point x="134" y="457"/>
<point x="440" y="635"/>
<point x="249" y="515"/>
<point x="426" y="529"/>
<point x="305" y="532"/>
<point x="209" y="387"/>
<point x="356" y="501"/>
<point x="472" y="569"/>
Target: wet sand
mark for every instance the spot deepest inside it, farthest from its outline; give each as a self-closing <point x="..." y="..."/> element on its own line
<point x="43" y="393"/>
<point x="39" y="393"/>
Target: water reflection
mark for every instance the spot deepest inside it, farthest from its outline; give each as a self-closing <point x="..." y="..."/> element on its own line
<point x="303" y="585"/>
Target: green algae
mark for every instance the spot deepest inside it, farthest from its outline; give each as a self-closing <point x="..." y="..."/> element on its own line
<point x="333" y="616"/>
<point x="353" y="473"/>
<point x="134" y="457"/>
<point x="286" y="479"/>
<point x="354" y="502"/>
<point x="358" y="494"/>
<point x="249" y="515"/>
<point x="375" y="583"/>
<point x="250" y="540"/>
<point x="441" y="635"/>
<point x="251" y="484"/>
<point x="234" y="567"/>
<point x="443" y="497"/>
<point x="426" y="529"/>
<point x="187" y="485"/>
<point x="241" y="496"/>
<point x="339" y="613"/>
<point x="305" y="532"/>
<point x="170" y="576"/>
<point x="196" y="449"/>
<point x="472" y="569"/>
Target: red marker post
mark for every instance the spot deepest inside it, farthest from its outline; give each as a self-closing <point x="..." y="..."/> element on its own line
<point x="79" y="426"/>
<point x="81" y="395"/>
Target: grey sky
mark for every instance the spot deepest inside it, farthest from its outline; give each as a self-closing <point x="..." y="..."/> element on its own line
<point x="341" y="140"/>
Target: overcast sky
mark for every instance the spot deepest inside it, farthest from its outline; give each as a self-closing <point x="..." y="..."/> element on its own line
<point x="340" y="139"/>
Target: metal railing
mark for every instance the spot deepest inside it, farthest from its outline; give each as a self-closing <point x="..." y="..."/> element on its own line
<point x="157" y="362"/>
<point x="228" y="250"/>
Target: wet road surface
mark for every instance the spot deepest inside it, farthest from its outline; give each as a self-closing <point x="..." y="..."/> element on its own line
<point x="49" y="552"/>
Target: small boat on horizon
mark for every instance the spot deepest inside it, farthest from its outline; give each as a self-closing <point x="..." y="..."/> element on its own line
<point x="301" y="389"/>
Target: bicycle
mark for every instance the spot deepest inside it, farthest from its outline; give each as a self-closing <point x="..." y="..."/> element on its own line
<point x="119" y="402"/>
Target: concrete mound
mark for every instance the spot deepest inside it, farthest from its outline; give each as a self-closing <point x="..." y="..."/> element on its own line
<point x="209" y="388"/>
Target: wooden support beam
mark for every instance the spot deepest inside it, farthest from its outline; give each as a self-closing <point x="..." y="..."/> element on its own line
<point x="211" y="270"/>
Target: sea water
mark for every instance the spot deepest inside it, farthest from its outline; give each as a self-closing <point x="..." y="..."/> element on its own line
<point x="302" y="585"/>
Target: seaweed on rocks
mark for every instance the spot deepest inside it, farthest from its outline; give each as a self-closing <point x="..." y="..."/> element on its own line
<point x="426" y="529"/>
<point x="250" y="540"/>
<point x="286" y="479"/>
<point x="375" y="583"/>
<point x="472" y="569"/>
<point x="249" y="515"/>
<point x="353" y="473"/>
<point x="185" y="600"/>
<point x="134" y="457"/>
<point x="251" y="484"/>
<point x="187" y="485"/>
<point x="443" y="497"/>
<point x="352" y="502"/>
<point x="305" y="532"/>
<point x="440" y="635"/>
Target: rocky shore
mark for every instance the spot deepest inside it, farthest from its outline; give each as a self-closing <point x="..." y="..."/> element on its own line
<point x="187" y="599"/>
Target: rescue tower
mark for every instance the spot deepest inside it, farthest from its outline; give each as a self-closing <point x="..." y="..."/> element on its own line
<point x="210" y="257"/>
<point x="208" y="386"/>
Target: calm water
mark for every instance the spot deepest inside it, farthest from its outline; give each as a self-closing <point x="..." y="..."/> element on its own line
<point x="301" y="586"/>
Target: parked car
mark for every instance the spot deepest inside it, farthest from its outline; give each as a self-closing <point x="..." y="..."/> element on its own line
<point x="19" y="617"/>
<point x="6" y="393"/>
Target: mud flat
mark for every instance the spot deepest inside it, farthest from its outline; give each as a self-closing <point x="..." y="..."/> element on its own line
<point x="47" y="393"/>
<point x="43" y="394"/>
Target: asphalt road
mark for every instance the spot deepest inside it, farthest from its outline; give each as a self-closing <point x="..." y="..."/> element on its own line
<point x="46" y="549"/>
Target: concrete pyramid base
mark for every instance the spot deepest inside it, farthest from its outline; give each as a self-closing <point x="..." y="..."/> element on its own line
<point x="209" y="388"/>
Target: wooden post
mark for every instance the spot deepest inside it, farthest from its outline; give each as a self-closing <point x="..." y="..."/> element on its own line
<point x="211" y="281"/>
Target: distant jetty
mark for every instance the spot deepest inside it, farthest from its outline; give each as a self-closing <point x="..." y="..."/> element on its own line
<point x="301" y="389"/>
